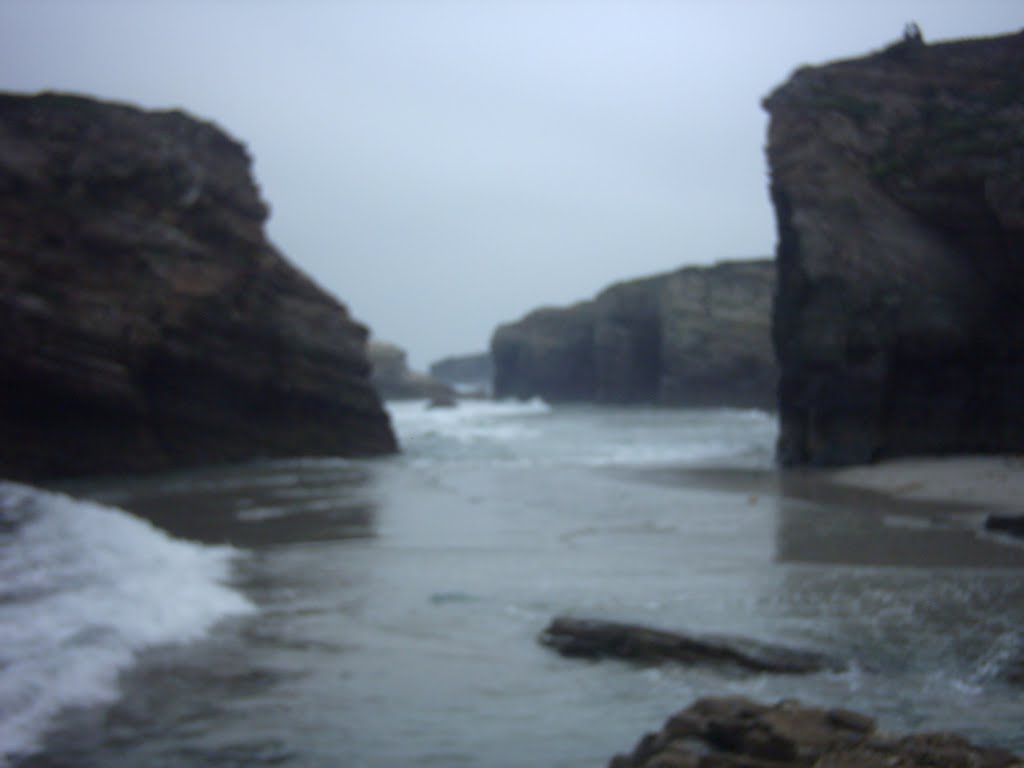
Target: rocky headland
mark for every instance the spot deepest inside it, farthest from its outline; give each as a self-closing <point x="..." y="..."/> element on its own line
<point x="146" y="323"/>
<point x="698" y="336"/>
<point x="395" y="380"/>
<point x="898" y="185"/>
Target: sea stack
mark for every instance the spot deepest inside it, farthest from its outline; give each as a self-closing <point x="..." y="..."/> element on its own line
<point x="898" y="185"/>
<point x="146" y="323"/>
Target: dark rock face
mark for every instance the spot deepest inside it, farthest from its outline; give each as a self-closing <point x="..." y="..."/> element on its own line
<point x="145" y="321"/>
<point x="737" y="732"/>
<point x="698" y="336"/>
<point x="394" y="380"/>
<point x="596" y="639"/>
<point x="549" y="353"/>
<point x="898" y="184"/>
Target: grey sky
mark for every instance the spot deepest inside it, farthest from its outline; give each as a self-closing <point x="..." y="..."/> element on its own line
<point x="443" y="166"/>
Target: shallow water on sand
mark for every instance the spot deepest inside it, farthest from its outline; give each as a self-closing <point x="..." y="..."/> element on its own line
<point x="388" y="610"/>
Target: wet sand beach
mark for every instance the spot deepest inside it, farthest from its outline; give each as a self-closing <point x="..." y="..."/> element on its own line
<point x="912" y="513"/>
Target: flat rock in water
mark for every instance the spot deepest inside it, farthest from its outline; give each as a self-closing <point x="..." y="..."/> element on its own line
<point x="1010" y="525"/>
<point x="735" y="731"/>
<point x="597" y="639"/>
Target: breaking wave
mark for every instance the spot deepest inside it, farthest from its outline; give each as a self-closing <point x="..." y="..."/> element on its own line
<point x="83" y="588"/>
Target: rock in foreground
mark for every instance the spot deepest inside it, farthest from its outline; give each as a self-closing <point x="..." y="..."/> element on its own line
<point x="596" y="639"/>
<point x="699" y="336"/>
<point x="898" y="184"/>
<point x="739" y="733"/>
<point x="146" y="323"/>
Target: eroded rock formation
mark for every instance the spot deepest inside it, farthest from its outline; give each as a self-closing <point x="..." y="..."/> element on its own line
<point x="145" y="321"/>
<point x="898" y="184"/>
<point x="697" y="336"/>
<point x="735" y="732"/>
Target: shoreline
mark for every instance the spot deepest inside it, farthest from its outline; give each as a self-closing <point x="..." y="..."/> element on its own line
<point x="965" y="485"/>
<point x="923" y="513"/>
<point x="984" y="483"/>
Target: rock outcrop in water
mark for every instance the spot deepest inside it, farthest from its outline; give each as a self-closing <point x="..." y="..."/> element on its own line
<point x="1010" y="525"/>
<point x="394" y="380"/>
<point x="740" y="733"/>
<point x="145" y="321"/>
<point x="698" y="336"/>
<point x="898" y="184"/>
<point x="598" y="639"/>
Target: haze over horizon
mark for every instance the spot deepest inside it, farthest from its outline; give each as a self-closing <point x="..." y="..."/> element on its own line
<point x="446" y="166"/>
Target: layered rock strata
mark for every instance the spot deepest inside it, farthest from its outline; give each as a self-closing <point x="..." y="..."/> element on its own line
<point x="898" y="185"/>
<point x="698" y="336"/>
<point x="740" y="733"/>
<point x="146" y="323"/>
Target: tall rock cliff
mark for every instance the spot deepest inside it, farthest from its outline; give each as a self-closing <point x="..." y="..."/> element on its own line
<point x="696" y="336"/>
<point x="898" y="184"/>
<point x="145" y="321"/>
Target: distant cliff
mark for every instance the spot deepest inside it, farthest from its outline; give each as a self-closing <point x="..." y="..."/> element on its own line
<point x="145" y="321"/>
<point x="898" y="184"/>
<point x="698" y="336"/>
<point x="394" y="380"/>
<point x="475" y="371"/>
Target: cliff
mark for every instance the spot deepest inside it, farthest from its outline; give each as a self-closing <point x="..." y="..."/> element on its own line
<point x="145" y="321"/>
<point x="698" y="336"/>
<point x="394" y="380"/>
<point x="898" y="185"/>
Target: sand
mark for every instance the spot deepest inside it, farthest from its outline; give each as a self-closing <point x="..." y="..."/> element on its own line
<point x="991" y="483"/>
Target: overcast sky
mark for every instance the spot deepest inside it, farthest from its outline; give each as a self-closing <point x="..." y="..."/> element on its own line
<point x="443" y="166"/>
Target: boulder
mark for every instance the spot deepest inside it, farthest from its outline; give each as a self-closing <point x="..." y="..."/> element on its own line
<point x="146" y="323"/>
<point x="735" y="732"/>
<point x="598" y="639"/>
<point x="898" y="186"/>
<point x="699" y="336"/>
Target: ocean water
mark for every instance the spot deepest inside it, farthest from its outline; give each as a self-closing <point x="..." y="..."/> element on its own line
<point x="386" y="612"/>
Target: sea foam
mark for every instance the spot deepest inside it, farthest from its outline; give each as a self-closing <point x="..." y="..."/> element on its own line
<point x="534" y="433"/>
<point x="83" y="587"/>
